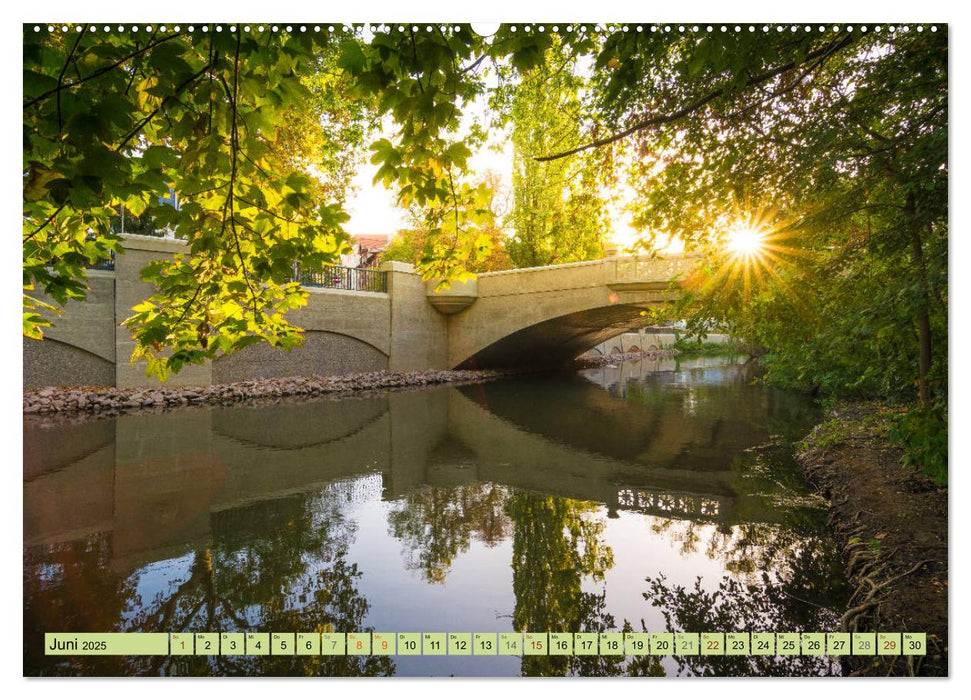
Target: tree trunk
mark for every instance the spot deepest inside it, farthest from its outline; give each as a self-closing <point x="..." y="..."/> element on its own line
<point x="923" y="311"/>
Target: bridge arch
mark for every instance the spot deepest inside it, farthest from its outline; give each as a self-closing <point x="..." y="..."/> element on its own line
<point x="55" y="362"/>
<point x="553" y="314"/>
<point x="557" y="340"/>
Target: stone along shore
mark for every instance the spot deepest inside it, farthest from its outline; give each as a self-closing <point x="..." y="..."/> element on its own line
<point x="96" y="399"/>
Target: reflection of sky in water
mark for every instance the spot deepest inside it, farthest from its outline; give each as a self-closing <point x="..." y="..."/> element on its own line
<point x="159" y="578"/>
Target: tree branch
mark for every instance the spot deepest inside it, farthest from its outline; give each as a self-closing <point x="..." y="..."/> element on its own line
<point x="234" y="148"/>
<point x="100" y="71"/>
<point x="699" y="103"/>
<point x="46" y="223"/>
<point x="151" y="115"/>
<point x="60" y="78"/>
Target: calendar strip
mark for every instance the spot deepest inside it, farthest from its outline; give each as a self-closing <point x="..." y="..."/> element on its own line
<point x="480" y="644"/>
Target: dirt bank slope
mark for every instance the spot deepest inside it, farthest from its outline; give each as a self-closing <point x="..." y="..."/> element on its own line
<point x="892" y="526"/>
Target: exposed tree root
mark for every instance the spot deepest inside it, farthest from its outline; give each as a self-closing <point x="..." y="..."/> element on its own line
<point x="892" y="536"/>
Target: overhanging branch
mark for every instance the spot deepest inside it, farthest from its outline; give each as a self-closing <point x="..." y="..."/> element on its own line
<point x="658" y="120"/>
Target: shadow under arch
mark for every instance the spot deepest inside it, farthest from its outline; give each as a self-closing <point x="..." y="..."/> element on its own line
<point x="559" y="340"/>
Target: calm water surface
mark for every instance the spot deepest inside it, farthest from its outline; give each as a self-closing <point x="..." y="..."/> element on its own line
<point x="657" y="495"/>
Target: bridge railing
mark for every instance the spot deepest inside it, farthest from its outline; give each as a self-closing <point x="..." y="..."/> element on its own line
<point x="103" y="264"/>
<point x="355" y="279"/>
<point x="637" y="267"/>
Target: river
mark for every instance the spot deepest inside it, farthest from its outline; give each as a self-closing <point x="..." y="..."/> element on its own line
<point x="655" y="495"/>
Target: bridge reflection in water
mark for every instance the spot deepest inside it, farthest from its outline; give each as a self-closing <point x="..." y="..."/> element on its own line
<point x="252" y="494"/>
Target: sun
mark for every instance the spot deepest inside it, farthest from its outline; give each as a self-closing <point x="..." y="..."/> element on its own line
<point x="745" y="241"/>
<point x="748" y="250"/>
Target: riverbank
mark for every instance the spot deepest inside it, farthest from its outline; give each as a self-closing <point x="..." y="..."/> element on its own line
<point x="891" y="524"/>
<point x="709" y="348"/>
<point x="93" y="399"/>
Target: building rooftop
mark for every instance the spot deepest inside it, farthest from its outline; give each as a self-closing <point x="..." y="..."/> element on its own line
<point x="372" y="242"/>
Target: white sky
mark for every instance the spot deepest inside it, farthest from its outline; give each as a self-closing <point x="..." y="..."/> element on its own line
<point x="372" y="207"/>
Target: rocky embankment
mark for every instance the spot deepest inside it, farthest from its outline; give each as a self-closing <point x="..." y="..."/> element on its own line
<point x="891" y="524"/>
<point x="56" y="400"/>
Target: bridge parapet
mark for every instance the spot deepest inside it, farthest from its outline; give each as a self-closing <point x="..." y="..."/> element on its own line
<point x="641" y="272"/>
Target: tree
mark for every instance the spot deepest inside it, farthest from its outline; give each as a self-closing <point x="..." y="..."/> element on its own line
<point x="117" y="120"/>
<point x="828" y="151"/>
<point x="558" y="215"/>
<point x="833" y="148"/>
<point x="487" y="250"/>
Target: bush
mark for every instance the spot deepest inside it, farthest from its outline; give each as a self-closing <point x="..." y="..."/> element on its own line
<point x="922" y="433"/>
<point x="699" y="347"/>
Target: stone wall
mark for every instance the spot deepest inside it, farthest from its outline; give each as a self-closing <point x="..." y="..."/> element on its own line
<point x="130" y="290"/>
<point x="345" y="332"/>
<point x="322" y="353"/>
<point x="53" y="363"/>
<point x="79" y="348"/>
<point x="418" y="333"/>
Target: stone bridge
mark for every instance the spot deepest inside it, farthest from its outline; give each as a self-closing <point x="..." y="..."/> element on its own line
<point x="500" y="319"/>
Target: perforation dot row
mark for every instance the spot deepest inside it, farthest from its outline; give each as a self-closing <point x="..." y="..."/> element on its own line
<point x="527" y="28"/>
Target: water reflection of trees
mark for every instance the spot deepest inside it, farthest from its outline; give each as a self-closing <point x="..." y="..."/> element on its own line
<point x="272" y="566"/>
<point x="557" y="543"/>
<point x="276" y="565"/>
<point x="784" y="579"/>
<point x="747" y="548"/>
<point x="436" y="524"/>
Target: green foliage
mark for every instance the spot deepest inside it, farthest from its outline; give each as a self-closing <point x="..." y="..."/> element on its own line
<point x="833" y="147"/>
<point x="420" y="79"/>
<point x="483" y="248"/>
<point x="413" y="245"/>
<point x="923" y="435"/>
<point x="115" y="120"/>
<point x="838" y="295"/>
<point x="840" y="162"/>
<point x="697" y="346"/>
